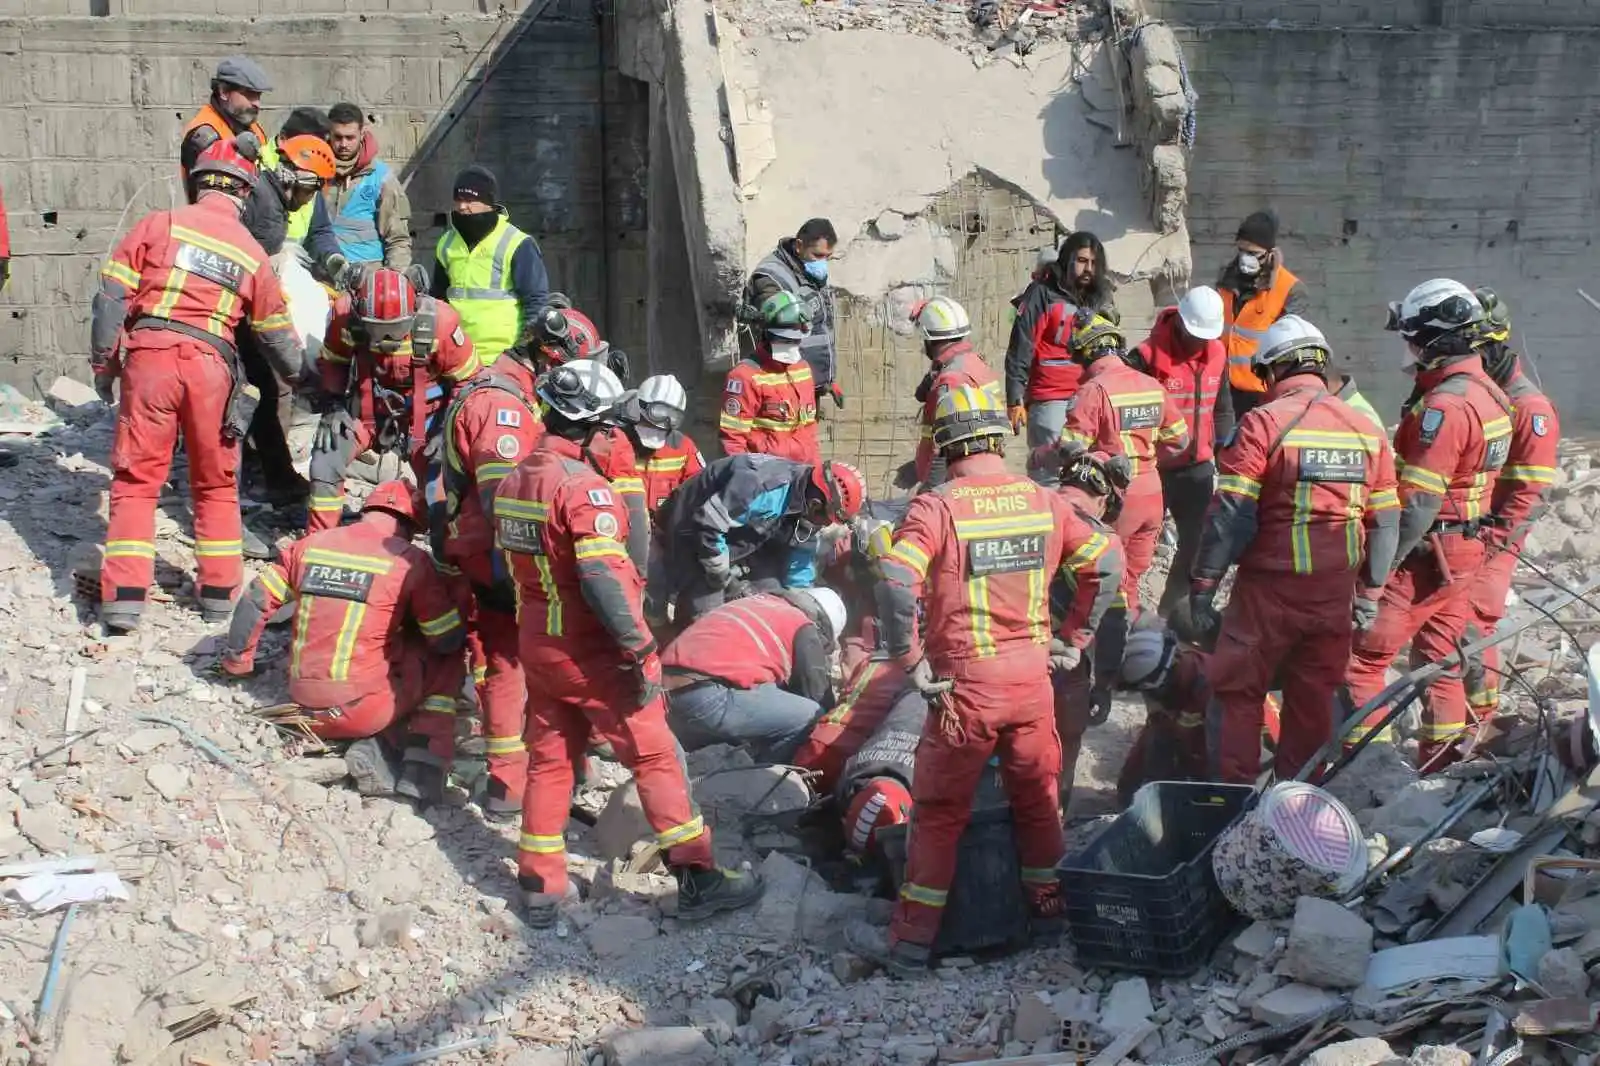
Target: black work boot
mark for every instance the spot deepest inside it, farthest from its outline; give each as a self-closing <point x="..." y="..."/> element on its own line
<point x="540" y="908"/>
<point x="704" y="892"/>
<point x="422" y="776"/>
<point x="499" y="807"/>
<point x="120" y="617"/>
<point x="372" y="766"/>
<point x="900" y="957"/>
<point x="216" y="604"/>
<point x="255" y="546"/>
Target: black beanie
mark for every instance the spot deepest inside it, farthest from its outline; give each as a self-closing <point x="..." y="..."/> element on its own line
<point x="1261" y="229"/>
<point x="477" y="183"/>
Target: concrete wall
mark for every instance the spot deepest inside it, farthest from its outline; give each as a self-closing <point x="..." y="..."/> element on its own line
<point x="1458" y="142"/>
<point x="91" y="108"/>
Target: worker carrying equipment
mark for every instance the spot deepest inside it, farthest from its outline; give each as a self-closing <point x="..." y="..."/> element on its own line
<point x="769" y="402"/>
<point x="583" y="635"/>
<point x="376" y="647"/>
<point x="1306" y="506"/>
<point x="978" y="551"/>
<point x="953" y="362"/>
<point x="172" y="296"/>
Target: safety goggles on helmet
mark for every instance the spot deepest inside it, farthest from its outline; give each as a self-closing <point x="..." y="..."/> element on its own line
<point x="1147" y="659"/>
<point x="580" y="391"/>
<point x="1290" y="342"/>
<point x="1435" y="307"/>
<point x="662" y="415"/>
<point x="1094" y="335"/>
<point x="966" y="413"/>
<point x="1496" y="324"/>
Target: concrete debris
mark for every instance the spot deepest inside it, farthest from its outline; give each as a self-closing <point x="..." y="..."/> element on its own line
<point x="1561" y="974"/>
<point x="1367" y="1051"/>
<point x="171" y="782"/>
<point x="1258" y="940"/>
<point x="1290" y="1002"/>
<point x="1328" y="945"/>
<point x="1035" y="1017"/>
<point x="618" y="935"/>
<point x="1126" y="1007"/>
<point x="1438" y="1055"/>
<point x="67" y="393"/>
<point x="716" y="1017"/>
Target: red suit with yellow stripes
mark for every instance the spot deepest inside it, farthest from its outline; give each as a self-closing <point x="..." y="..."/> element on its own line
<point x="1305" y="505"/>
<point x="489" y="428"/>
<point x="584" y="637"/>
<point x="377" y="636"/>
<point x="958" y="364"/>
<point x="380" y="387"/>
<point x="981" y="550"/>
<point x="177" y="286"/>
<point x="667" y="467"/>
<point x="873" y="683"/>
<point x="1450" y="447"/>
<point x="770" y="408"/>
<point x="1519" y="499"/>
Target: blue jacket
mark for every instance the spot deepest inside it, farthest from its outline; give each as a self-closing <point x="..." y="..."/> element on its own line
<point x="743" y="505"/>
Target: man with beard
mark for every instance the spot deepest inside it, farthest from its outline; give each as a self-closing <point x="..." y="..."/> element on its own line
<point x="1257" y="290"/>
<point x="233" y="108"/>
<point x="371" y="215"/>
<point x="1041" y="377"/>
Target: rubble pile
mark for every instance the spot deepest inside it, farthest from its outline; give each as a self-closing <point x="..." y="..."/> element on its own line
<point x="186" y="883"/>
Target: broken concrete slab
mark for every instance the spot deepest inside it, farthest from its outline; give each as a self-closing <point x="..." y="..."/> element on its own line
<point x="1257" y="941"/>
<point x="1561" y="974"/>
<point x="615" y="936"/>
<point x="1035" y="1018"/>
<point x="1366" y="1051"/>
<point x="1290" y="1002"/>
<point x="674" y="1046"/>
<point x="1439" y="1055"/>
<point x="171" y="782"/>
<point x="1127" y="1006"/>
<point x="1329" y="946"/>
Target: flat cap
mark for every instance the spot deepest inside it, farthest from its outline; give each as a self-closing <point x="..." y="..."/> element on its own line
<point x="244" y="72"/>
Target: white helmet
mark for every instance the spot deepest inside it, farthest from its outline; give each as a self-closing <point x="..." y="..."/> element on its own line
<point x="941" y="319"/>
<point x="1434" y="311"/>
<point x="1147" y="658"/>
<point x="829" y="603"/>
<point x="580" y="391"/>
<point x="662" y="405"/>
<point x="1291" y="340"/>
<point x="1201" y="312"/>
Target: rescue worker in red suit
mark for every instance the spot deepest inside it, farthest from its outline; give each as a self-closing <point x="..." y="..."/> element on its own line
<point x="1126" y="416"/>
<point x="1185" y="354"/>
<point x="953" y="362"/>
<point x="1093" y="489"/>
<point x="583" y="635"/>
<point x="769" y="401"/>
<point x="1306" y="506"/>
<point x="1451" y="447"/>
<point x="667" y="457"/>
<point x="172" y="295"/>
<point x="980" y="550"/>
<point x="1174" y="679"/>
<point x="757" y="671"/>
<point x="389" y="362"/>
<point x="377" y="641"/>
<point x="1520" y="496"/>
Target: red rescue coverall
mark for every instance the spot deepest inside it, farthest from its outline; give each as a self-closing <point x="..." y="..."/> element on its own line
<point x="770" y="408"/>
<point x="583" y="635"/>
<point x="957" y="365"/>
<point x="378" y="384"/>
<point x="1519" y="499"/>
<point x="179" y="284"/>
<point x="981" y="549"/>
<point x="872" y="685"/>
<point x="1450" y="447"/>
<point x="1305" y="502"/>
<point x="356" y="662"/>
<point x="664" y="469"/>
<point x="489" y="428"/>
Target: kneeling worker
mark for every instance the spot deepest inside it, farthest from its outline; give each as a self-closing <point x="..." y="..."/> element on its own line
<point x="754" y="671"/>
<point x="377" y="641"/>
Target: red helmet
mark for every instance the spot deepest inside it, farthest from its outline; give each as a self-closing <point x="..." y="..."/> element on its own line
<point x="227" y="168"/>
<point x="399" y="499"/>
<point x="842" y="486"/>
<point x="385" y="305"/>
<point x="880" y="803"/>
<point x="586" y="334"/>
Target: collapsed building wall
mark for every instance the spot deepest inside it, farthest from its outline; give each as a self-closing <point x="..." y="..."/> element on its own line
<point x="1401" y="140"/>
<point x="91" y="109"/>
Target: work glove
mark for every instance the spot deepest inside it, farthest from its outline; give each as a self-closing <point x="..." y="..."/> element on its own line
<point x="718" y="570"/>
<point x="647" y="672"/>
<point x="1364" y="613"/>
<point x="336" y="425"/>
<point x="1207" y="622"/>
<point x="1063" y="656"/>
<point x="905" y="476"/>
<point x="103" y="380"/>
<point x="922" y="679"/>
<point x="1019" y="419"/>
<point x="1119" y="470"/>
<point x="1099" y="706"/>
<point x="835" y="392"/>
<point x="237" y="666"/>
<point x="339" y="271"/>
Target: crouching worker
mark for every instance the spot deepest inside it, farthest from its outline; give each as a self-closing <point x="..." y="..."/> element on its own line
<point x="376" y="652"/>
<point x="981" y="549"/>
<point x="754" y="671"/>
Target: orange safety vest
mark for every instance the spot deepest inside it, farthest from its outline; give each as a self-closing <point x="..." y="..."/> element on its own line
<point x="210" y="116"/>
<point x="1243" y="333"/>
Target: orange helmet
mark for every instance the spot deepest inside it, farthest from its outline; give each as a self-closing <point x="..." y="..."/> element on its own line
<point x="880" y="803"/>
<point x="308" y="154"/>
<point x="399" y="499"/>
<point x="842" y="486"/>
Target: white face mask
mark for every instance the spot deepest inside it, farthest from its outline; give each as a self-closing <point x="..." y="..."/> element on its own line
<point x="786" y="352"/>
<point x="1249" y="265"/>
<point x="1412" y="362"/>
<point x="650" y="436"/>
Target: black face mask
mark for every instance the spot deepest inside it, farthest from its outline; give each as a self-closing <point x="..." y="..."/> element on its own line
<point x="474" y="228"/>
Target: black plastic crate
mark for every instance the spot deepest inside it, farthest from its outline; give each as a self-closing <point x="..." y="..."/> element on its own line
<point x="1142" y="896"/>
<point x="987" y="908"/>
